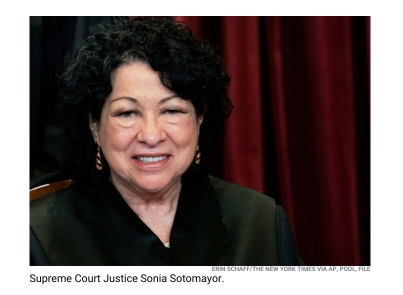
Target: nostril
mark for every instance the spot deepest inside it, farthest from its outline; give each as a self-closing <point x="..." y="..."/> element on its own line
<point x="151" y="133"/>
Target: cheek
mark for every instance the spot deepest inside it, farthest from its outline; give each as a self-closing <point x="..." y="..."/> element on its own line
<point x="116" y="138"/>
<point x="186" y="135"/>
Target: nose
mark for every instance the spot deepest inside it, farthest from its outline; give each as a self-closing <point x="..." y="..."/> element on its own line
<point x="151" y="132"/>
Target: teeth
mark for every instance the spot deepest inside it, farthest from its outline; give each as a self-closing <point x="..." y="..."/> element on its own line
<point x="150" y="159"/>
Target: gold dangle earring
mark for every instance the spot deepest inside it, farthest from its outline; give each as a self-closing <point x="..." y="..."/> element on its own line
<point x="198" y="155"/>
<point x="98" y="160"/>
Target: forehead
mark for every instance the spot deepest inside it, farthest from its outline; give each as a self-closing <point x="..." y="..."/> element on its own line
<point x="137" y="82"/>
<point x="137" y="77"/>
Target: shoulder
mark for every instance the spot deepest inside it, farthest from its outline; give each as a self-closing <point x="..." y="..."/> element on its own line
<point x="43" y="216"/>
<point x="59" y="221"/>
<point x="250" y="221"/>
<point x="47" y="204"/>
<point x="234" y="196"/>
<point x="242" y="207"/>
<point x="256" y="225"/>
<point x="56" y="210"/>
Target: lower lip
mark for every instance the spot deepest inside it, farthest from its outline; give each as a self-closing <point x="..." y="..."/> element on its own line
<point x="151" y="165"/>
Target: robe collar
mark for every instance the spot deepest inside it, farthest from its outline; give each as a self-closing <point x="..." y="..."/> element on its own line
<point x="196" y="238"/>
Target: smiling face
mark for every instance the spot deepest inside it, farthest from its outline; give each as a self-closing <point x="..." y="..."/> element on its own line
<point x="147" y="133"/>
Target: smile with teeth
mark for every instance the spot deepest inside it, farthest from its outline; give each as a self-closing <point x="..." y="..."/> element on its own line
<point x="150" y="159"/>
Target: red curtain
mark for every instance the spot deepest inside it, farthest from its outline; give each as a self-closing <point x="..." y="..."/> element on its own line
<point x="300" y="129"/>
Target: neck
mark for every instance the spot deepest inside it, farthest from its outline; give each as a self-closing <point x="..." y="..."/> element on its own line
<point x="157" y="209"/>
<point x="151" y="206"/>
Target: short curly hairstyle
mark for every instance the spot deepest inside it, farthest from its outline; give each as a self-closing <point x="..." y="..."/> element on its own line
<point x="190" y="68"/>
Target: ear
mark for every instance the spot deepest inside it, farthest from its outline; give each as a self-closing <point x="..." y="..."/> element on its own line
<point x="199" y="121"/>
<point x="94" y="129"/>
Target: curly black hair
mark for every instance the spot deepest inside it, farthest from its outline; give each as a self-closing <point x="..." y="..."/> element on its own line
<point x="190" y="68"/>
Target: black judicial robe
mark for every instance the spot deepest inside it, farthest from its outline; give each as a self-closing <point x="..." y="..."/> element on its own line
<point x="216" y="223"/>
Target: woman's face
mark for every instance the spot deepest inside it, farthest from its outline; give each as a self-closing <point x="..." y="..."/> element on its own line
<point x="147" y="133"/>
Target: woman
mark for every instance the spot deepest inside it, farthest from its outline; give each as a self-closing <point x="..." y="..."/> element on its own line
<point x="143" y="105"/>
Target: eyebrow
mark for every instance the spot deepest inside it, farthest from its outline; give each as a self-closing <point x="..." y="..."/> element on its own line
<point x="134" y="100"/>
<point x="124" y="97"/>
<point x="168" y="98"/>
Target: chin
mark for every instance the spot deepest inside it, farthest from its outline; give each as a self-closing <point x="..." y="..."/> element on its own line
<point x="153" y="186"/>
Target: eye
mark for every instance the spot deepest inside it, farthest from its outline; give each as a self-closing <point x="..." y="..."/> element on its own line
<point x="172" y="111"/>
<point x="127" y="114"/>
